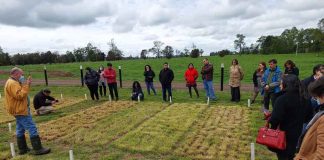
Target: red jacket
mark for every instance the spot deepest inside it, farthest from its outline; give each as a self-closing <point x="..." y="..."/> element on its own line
<point x="191" y="75"/>
<point x="110" y="74"/>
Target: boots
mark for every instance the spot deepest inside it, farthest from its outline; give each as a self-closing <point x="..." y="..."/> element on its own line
<point x="22" y="145"/>
<point x="37" y="146"/>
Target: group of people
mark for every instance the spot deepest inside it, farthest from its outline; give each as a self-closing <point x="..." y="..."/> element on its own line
<point x="297" y="106"/>
<point x="99" y="79"/>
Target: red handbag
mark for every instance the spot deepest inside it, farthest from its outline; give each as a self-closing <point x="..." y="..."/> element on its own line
<point x="271" y="138"/>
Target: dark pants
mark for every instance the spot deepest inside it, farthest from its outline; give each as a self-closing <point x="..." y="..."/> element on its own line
<point x="267" y="97"/>
<point x="149" y="85"/>
<point x="113" y="88"/>
<point x="166" y="87"/>
<point x="93" y="91"/>
<point x="102" y="87"/>
<point x="285" y="157"/>
<point x="236" y="95"/>
<point x="195" y="88"/>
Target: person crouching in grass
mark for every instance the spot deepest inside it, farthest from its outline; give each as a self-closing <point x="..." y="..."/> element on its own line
<point x="43" y="102"/>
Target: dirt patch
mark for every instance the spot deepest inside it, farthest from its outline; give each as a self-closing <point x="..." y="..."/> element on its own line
<point x="59" y="74"/>
<point x="4" y="72"/>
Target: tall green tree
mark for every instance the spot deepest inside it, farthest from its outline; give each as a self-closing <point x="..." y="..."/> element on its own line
<point x="156" y="49"/>
<point x="239" y="42"/>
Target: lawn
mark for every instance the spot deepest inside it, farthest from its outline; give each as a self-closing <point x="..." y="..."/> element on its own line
<point x="133" y="69"/>
<point x="186" y="129"/>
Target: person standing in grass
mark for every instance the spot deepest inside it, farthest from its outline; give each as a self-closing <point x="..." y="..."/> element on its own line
<point x="270" y="82"/>
<point x="236" y="75"/>
<point x="312" y="139"/>
<point x="318" y="72"/>
<point x="17" y="104"/>
<point x="290" y="68"/>
<point x="149" y="76"/>
<point x="91" y="79"/>
<point x="166" y="77"/>
<point x="257" y="76"/>
<point x="110" y="74"/>
<point x="290" y="111"/>
<point x="102" y="82"/>
<point x="191" y="76"/>
<point x="207" y="72"/>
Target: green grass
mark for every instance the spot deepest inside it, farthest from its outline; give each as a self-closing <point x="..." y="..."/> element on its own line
<point x="133" y="69"/>
<point x="121" y="134"/>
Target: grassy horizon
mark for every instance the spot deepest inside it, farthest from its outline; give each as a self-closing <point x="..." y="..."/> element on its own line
<point x="133" y="69"/>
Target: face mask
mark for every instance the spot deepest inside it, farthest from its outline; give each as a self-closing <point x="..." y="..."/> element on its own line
<point x="318" y="101"/>
<point x="21" y="79"/>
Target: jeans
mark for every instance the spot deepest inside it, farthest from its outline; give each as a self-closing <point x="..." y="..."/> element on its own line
<point x="166" y="87"/>
<point x="24" y="123"/>
<point x="102" y="86"/>
<point x="149" y="85"/>
<point x="208" y="86"/>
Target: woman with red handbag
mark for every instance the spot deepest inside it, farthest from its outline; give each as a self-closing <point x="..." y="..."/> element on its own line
<point x="312" y="146"/>
<point x="289" y="114"/>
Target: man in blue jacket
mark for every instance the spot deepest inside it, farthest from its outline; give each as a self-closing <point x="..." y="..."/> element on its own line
<point x="271" y="82"/>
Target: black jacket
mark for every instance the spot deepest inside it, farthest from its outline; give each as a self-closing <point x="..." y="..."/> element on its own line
<point x="294" y="71"/>
<point x="40" y="100"/>
<point x="289" y="113"/>
<point x="255" y="79"/>
<point x="137" y="92"/>
<point x="91" y="78"/>
<point x="166" y="76"/>
<point x="305" y="83"/>
<point x="149" y="76"/>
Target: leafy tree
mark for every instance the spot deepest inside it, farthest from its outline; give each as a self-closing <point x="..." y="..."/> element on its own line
<point x="194" y="53"/>
<point x="320" y="25"/>
<point x="144" y="54"/>
<point x="168" y="52"/>
<point x="239" y="42"/>
<point x="156" y="49"/>
<point x="114" y="53"/>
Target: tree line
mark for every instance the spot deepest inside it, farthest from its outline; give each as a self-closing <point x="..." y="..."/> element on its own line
<point x="289" y="41"/>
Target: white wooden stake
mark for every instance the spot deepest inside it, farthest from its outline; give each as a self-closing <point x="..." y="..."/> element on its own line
<point x="138" y="98"/>
<point x="85" y="96"/>
<point x="249" y="103"/>
<point x="170" y="99"/>
<point x="9" y="126"/>
<point x="61" y="96"/>
<point x="71" y="154"/>
<point x="0" y="96"/>
<point x="208" y="101"/>
<point x="109" y="97"/>
<point x="252" y="152"/>
<point x="12" y="148"/>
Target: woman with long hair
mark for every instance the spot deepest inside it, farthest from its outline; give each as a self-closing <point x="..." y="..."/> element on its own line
<point x="290" y="111"/>
<point x="149" y="76"/>
<point x="191" y="76"/>
<point x="257" y="77"/>
<point x="236" y="75"/>
<point x="137" y="91"/>
<point x="290" y="68"/>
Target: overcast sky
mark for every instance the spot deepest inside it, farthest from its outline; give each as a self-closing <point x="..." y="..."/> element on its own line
<point x="60" y="25"/>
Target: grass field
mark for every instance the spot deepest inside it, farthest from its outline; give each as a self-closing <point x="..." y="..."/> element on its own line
<point x="133" y="69"/>
<point x="186" y="129"/>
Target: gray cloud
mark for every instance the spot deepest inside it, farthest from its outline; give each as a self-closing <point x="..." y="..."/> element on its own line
<point x="40" y="14"/>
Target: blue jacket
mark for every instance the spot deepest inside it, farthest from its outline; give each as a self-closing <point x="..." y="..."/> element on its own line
<point x="275" y="81"/>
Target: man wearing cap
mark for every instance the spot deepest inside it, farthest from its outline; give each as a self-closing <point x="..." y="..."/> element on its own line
<point x="17" y="104"/>
<point x="43" y="102"/>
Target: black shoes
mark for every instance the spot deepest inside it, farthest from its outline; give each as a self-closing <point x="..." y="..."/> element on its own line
<point x="22" y="145"/>
<point x="37" y="146"/>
